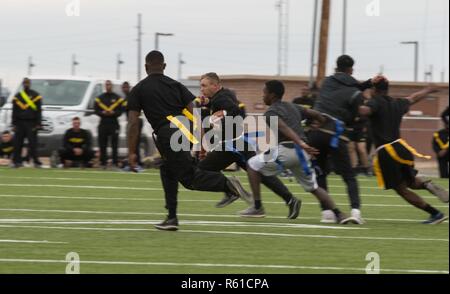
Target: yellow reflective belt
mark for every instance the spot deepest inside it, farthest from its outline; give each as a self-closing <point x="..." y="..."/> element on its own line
<point x="100" y="103"/>
<point x="28" y="100"/>
<point x="412" y="150"/>
<point x="8" y="149"/>
<point x="76" y="140"/>
<point x="114" y="106"/>
<point x="395" y="156"/>
<point x="20" y="104"/>
<point x="190" y="117"/>
<point x="183" y="129"/>
<point x="378" y="172"/>
<point x="439" y="141"/>
<point x="242" y="105"/>
<point x="37" y="98"/>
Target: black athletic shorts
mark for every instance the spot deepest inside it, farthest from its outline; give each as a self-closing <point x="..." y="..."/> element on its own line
<point x="394" y="165"/>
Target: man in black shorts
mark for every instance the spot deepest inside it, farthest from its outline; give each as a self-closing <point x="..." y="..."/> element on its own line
<point x="394" y="162"/>
<point x="222" y="99"/>
<point x="164" y="101"/>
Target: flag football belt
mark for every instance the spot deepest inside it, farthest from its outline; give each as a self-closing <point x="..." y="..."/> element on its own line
<point x="301" y="157"/>
<point x="185" y="131"/>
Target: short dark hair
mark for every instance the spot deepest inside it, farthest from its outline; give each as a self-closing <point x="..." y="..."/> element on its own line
<point x="382" y="86"/>
<point x="344" y="62"/>
<point x="6" y="133"/>
<point x="154" y="57"/>
<point x="211" y="76"/>
<point x="125" y="83"/>
<point x="275" y="87"/>
<point x="76" y="118"/>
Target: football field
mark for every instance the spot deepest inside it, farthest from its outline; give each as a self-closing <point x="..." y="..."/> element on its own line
<point x="107" y="219"/>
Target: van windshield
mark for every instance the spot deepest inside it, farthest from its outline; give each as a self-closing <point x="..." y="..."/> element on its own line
<point x="60" y="92"/>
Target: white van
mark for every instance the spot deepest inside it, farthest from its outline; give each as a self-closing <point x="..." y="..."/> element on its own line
<point x="65" y="98"/>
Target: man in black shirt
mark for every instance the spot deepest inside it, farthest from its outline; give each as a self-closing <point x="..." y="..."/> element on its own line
<point x="164" y="101"/>
<point x="222" y="99"/>
<point x="109" y="107"/>
<point x="26" y="120"/>
<point x="440" y="146"/>
<point x="339" y="98"/>
<point x="77" y="145"/>
<point x="394" y="162"/>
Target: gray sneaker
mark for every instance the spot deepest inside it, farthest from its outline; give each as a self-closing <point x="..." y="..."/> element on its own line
<point x="252" y="212"/>
<point x="227" y="200"/>
<point x="437" y="191"/>
<point x="236" y="188"/>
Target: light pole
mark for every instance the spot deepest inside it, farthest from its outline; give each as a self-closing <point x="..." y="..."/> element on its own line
<point x="181" y="62"/>
<point x="30" y="65"/>
<point x="74" y="64"/>
<point x="416" y="57"/>
<point x="344" y="28"/>
<point x="313" y="43"/>
<point x="119" y="63"/>
<point x="157" y="35"/>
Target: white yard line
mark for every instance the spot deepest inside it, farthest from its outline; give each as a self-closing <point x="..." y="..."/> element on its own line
<point x="218" y="265"/>
<point x="185" y="200"/>
<point x="241" y="233"/>
<point x="31" y="242"/>
<point x="187" y="222"/>
<point x="180" y="214"/>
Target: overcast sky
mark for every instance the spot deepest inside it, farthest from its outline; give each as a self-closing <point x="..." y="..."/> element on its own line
<point x="226" y="36"/>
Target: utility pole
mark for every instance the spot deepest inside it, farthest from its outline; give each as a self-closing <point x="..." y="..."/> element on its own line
<point x="344" y="28"/>
<point x="30" y="65"/>
<point x="416" y="58"/>
<point x="119" y="63"/>
<point x="313" y="44"/>
<point x="139" y="46"/>
<point x="323" y="46"/>
<point x="74" y="64"/>
<point x="283" y="36"/>
<point x="181" y="62"/>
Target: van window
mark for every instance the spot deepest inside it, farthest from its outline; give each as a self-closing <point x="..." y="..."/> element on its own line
<point x="98" y="90"/>
<point x="60" y="92"/>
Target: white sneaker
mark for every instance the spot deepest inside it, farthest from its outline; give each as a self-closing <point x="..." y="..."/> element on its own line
<point x="328" y="217"/>
<point x="356" y="214"/>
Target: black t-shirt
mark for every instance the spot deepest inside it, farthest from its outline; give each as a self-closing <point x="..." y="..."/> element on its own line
<point x="159" y="96"/>
<point x="81" y="139"/>
<point x="225" y="99"/>
<point x="291" y="114"/>
<point x="110" y="101"/>
<point x="6" y="149"/>
<point x="386" y="118"/>
<point x="23" y="111"/>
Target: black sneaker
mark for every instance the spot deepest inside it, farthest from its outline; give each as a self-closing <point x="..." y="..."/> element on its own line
<point x="168" y="225"/>
<point x="437" y="191"/>
<point x="227" y="200"/>
<point x="436" y="219"/>
<point x="252" y="212"/>
<point x="236" y="188"/>
<point x="294" y="208"/>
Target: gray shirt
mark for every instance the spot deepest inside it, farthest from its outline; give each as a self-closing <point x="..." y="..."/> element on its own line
<point x="291" y="114"/>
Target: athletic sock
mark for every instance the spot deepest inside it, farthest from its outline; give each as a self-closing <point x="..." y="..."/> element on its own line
<point x="258" y="204"/>
<point x="431" y="210"/>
